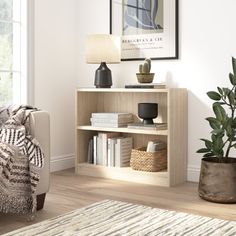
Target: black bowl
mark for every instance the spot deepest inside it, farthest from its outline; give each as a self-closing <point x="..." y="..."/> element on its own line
<point x="147" y="112"/>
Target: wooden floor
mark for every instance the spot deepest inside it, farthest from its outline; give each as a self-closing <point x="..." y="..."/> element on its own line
<point x="69" y="192"/>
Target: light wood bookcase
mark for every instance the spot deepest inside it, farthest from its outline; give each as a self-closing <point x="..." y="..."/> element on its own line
<point x="172" y="109"/>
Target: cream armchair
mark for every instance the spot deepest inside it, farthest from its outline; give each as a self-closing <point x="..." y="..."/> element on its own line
<point x="40" y="129"/>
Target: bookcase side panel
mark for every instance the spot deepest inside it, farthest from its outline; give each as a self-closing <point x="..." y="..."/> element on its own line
<point x="177" y="138"/>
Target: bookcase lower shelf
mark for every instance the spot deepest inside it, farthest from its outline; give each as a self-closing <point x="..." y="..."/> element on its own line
<point x="124" y="173"/>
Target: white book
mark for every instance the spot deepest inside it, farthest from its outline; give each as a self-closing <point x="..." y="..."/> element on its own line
<point x="109" y="154"/>
<point x="95" y="150"/>
<point x="111" y="151"/>
<point x="108" y="125"/>
<point x="112" y="121"/>
<point x="104" y="137"/>
<point x="123" y="149"/>
<point x="99" y="160"/>
<point x="155" y="126"/>
<point x="111" y="115"/>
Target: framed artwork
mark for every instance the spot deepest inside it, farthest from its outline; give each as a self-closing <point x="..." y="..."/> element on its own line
<point x="148" y="28"/>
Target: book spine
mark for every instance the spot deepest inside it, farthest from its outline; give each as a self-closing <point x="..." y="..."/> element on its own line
<point x="99" y="150"/>
<point x="95" y="150"/>
<point x="123" y="150"/>
<point x="108" y="125"/>
<point x="111" y="121"/>
<point x="117" y="153"/>
<point x="104" y="149"/>
<point x="111" y="116"/>
<point x="90" y="152"/>
<point x="109" y="152"/>
<point x="113" y="142"/>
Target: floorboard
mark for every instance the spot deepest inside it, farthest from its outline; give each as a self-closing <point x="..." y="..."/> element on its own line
<point x="69" y="192"/>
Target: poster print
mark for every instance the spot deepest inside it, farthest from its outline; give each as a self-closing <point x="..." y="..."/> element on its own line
<point x="148" y="28"/>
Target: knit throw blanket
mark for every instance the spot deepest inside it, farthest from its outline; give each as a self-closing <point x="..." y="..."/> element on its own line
<point x="20" y="161"/>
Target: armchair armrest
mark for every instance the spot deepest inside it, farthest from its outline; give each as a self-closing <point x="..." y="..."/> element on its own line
<point x="40" y="129"/>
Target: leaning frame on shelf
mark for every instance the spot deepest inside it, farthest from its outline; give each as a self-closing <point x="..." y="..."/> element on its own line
<point x="172" y="109"/>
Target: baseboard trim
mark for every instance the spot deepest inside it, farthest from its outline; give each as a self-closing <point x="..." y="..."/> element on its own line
<point x="193" y="173"/>
<point x="62" y="162"/>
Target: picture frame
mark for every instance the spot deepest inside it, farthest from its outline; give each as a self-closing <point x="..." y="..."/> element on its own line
<point x="148" y="28"/>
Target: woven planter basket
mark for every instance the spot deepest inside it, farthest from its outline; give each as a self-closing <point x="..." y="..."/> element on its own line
<point x="148" y="161"/>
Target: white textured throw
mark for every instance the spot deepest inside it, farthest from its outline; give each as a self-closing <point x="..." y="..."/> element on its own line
<point x="20" y="160"/>
<point x="112" y="218"/>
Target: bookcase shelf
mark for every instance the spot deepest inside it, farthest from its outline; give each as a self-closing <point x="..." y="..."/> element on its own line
<point x="124" y="130"/>
<point x="124" y="173"/>
<point x="172" y="109"/>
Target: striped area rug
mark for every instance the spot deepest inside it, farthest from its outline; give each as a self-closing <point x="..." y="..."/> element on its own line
<point x="118" y="218"/>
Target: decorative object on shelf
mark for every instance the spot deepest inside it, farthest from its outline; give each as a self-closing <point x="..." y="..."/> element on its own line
<point x="146" y="86"/>
<point x="147" y="112"/>
<point x="218" y="169"/>
<point x="144" y="75"/>
<point x="156" y="145"/>
<point x="149" y="28"/>
<point x="102" y="49"/>
<point x="148" y="161"/>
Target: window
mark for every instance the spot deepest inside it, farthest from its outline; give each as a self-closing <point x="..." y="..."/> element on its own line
<point x="13" y="52"/>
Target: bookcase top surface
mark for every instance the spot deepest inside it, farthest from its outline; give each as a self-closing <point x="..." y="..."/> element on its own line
<point x="110" y="90"/>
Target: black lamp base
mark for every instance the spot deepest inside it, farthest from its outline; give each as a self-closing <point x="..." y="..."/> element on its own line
<point x="103" y="76"/>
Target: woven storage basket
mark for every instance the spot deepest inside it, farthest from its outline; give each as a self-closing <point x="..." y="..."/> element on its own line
<point x="148" y="161"/>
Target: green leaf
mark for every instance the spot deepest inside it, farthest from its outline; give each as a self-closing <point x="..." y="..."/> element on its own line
<point x="218" y="132"/>
<point x="234" y="65"/>
<point x="213" y="137"/>
<point x="218" y="145"/>
<point x="203" y="150"/>
<point x="229" y="131"/>
<point x="226" y="91"/>
<point x="214" y="95"/>
<point x="234" y="123"/>
<point x="214" y="123"/>
<point x="209" y="154"/>
<point x="220" y="90"/>
<point x="232" y="79"/>
<point x="208" y="143"/>
<point x="219" y="112"/>
<point x="231" y="97"/>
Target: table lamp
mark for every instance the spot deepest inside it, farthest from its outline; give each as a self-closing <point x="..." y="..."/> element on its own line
<point x="102" y="49"/>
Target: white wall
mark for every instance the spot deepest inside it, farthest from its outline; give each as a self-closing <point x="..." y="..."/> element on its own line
<point x="54" y="73"/>
<point x="207" y="42"/>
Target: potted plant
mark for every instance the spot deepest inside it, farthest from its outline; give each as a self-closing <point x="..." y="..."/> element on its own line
<point x="217" y="181"/>
<point x="144" y="75"/>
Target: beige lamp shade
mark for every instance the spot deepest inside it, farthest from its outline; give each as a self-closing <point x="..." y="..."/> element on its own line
<point x="103" y="48"/>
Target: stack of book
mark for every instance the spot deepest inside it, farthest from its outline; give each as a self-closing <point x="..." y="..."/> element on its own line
<point x="146" y="86"/>
<point x="114" y="120"/>
<point x="110" y="149"/>
<point x="155" y="126"/>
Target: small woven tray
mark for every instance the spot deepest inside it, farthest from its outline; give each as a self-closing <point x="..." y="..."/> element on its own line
<point x="148" y="161"/>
